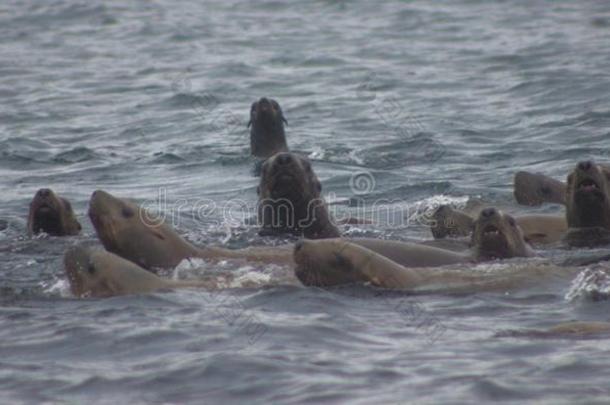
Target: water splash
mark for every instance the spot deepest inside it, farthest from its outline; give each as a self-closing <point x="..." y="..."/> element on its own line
<point x="592" y="284"/>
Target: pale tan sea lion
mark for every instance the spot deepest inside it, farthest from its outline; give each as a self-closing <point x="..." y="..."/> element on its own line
<point x="331" y="261"/>
<point x="290" y="199"/>
<point x="97" y="273"/>
<point x="267" y="128"/>
<point x="51" y="214"/>
<point x="588" y="206"/>
<point x="495" y="235"/>
<point x="537" y="229"/>
<point x="542" y="229"/>
<point x="128" y="230"/>
<point x="535" y="189"/>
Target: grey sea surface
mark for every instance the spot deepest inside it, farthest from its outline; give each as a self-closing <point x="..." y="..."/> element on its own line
<point x="403" y="104"/>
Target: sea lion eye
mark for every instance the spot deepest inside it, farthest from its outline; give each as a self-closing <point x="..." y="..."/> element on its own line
<point x="91" y="268"/>
<point x="342" y="263"/>
<point x="512" y="221"/>
<point x="319" y="186"/>
<point x="127" y="212"/>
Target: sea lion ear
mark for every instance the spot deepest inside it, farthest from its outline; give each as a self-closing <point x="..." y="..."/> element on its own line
<point x="249" y="124"/>
<point x="319" y="186"/>
<point x="79" y="226"/>
<point x="258" y="190"/>
<point x="284" y="119"/>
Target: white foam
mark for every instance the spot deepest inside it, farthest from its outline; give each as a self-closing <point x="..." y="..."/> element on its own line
<point x="59" y="287"/>
<point x="591" y="283"/>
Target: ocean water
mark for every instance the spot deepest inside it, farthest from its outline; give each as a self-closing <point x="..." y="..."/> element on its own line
<point x="403" y="104"/>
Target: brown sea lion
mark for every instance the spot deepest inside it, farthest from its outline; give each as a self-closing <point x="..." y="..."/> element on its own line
<point x="567" y="330"/>
<point x="332" y="261"/>
<point x="290" y="199"/>
<point x="97" y="273"/>
<point x="537" y="229"/>
<point x="588" y="206"/>
<point x="267" y="128"/>
<point x="128" y="230"/>
<point x="535" y="189"/>
<point x="51" y="214"/>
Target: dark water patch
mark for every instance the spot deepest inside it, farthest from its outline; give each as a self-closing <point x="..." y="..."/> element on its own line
<point x="78" y="154"/>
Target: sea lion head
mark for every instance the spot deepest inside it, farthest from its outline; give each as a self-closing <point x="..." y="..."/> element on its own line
<point x="51" y="214"/>
<point x="87" y="273"/>
<point x="497" y="236"/>
<point x="327" y="262"/>
<point x="288" y="175"/>
<point x="267" y="113"/>
<point x="535" y="189"/>
<point x="448" y="222"/>
<point x="130" y="231"/>
<point x="267" y="128"/>
<point x="587" y="198"/>
<point x="290" y="196"/>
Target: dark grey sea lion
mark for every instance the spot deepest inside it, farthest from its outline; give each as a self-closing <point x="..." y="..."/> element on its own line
<point x="266" y="124"/>
<point x="290" y="199"/>
<point x="588" y="206"/>
<point x="51" y="214"/>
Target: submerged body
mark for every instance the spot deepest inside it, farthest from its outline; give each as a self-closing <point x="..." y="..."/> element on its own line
<point x="537" y="229"/>
<point x="390" y="263"/>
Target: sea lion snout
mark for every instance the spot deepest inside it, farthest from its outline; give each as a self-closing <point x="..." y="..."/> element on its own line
<point x="585" y="166"/>
<point x="44" y="193"/>
<point x="489" y="213"/>
<point x="284" y="159"/>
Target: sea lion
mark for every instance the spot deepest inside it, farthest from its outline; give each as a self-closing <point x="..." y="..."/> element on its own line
<point x="449" y="222"/>
<point x="267" y="128"/>
<point x="338" y="261"/>
<point x="537" y="229"/>
<point x="330" y="262"/>
<point x="130" y="231"/>
<point x="567" y="330"/>
<point x="290" y="199"/>
<point x="535" y="189"/>
<point x="51" y="214"/>
<point x="97" y="273"/>
<point x="588" y="206"/>
<point x="542" y="229"/>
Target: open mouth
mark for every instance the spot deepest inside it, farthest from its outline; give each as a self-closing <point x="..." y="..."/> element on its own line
<point x="491" y="231"/>
<point x="588" y="185"/>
